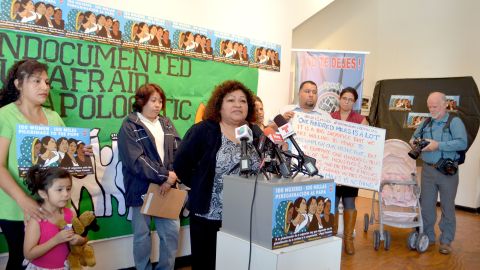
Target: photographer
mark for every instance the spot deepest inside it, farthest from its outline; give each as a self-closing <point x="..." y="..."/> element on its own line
<point x="440" y="168"/>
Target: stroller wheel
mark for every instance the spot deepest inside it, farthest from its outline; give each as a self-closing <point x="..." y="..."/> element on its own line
<point x="387" y="241"/>
<point x="376" y="239"/>
<point x="422" y="243"/>
<point x="412" y="240"/>
<point x="366" y="221"/>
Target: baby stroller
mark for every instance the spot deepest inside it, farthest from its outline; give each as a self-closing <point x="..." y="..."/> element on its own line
<point x="398" y="198"/>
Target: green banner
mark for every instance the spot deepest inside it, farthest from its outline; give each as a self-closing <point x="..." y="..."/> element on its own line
<point x="93" y="86"/>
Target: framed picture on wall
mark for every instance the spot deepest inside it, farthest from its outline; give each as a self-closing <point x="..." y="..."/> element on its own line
<point x="366" y="102"/>
<point x="414" y="119"/>
<point x="400" y="103"/>
<point x="453" y="102"/>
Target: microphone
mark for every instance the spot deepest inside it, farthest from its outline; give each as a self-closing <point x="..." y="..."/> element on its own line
<point x="244" y="134"/>
<point x="287" y="132"/>
<point x="274" y="139"/>
<point x="260" y="139"/>
<point x="274" y="136"/>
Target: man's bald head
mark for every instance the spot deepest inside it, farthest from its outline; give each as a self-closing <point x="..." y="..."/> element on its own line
<point x="437" y="95"/>
<point x="437" y="105"/>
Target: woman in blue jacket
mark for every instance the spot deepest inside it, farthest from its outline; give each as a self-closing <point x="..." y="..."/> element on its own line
<point x="147" y="143"/>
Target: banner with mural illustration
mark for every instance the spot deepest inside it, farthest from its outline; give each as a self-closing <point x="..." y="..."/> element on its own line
<point x="86" y="21"/>
<point x="93" y="86"/>
<point x="302" y="213"/>
<point x="49" y="146"/>
<point x="264" y="55"/>
<point x="332" y="71"/>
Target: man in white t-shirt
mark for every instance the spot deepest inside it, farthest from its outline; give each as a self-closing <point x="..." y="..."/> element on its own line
<point x="307" y="101"/>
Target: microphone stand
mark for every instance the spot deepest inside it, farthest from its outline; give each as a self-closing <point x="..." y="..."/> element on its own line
<point x="262" y="167"/>
<point x="250" y="172"/>
<point x="296" y="167"/>
<point x="300" y="164"/>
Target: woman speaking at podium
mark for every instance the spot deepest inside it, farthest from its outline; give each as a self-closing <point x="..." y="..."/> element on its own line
<point x="209" y="151"/>
<point x="348" y="97"/>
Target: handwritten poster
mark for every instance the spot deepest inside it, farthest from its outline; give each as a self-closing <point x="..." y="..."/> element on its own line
<point x="349" y="153"/>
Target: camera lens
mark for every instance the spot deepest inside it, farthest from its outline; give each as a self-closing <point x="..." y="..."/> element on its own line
<point x="419" y="145"/>
<point x="414" y="153"/>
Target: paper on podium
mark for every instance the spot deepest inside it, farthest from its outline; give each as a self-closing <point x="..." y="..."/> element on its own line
<point x="166" y="206"/>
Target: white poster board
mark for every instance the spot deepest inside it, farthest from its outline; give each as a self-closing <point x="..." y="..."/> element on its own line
<point x="349" y="153"/>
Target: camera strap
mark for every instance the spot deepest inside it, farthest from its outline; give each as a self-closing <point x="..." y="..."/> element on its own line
<point x="428" y="122"/>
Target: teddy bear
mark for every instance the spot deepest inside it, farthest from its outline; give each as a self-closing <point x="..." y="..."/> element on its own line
<point x="81" y="255"/>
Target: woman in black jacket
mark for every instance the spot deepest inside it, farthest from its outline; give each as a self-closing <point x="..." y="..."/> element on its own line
<point x="147" y="143"/>
<point x="209" y="151"/>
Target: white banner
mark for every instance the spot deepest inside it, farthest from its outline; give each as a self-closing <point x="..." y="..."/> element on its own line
<point x="349" y="153"/>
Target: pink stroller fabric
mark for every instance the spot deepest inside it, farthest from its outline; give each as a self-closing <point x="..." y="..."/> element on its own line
<point x="398" y="166"/>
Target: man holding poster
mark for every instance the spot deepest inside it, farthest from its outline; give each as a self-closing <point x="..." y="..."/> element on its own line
<point x="307" y="101"/>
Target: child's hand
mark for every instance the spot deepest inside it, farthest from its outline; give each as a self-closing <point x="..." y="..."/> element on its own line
<point x="64" y="236"/>
<point x="77" y="240"/>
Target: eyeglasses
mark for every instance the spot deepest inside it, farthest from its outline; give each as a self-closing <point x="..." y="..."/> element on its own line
<point x="348" y="100"/>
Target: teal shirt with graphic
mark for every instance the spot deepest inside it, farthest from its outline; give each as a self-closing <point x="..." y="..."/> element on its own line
<point x="10" y="116"/>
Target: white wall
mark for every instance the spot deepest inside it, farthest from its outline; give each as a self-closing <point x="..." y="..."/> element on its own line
<point x="265" y="20"/>
<point x="407" y="39"/>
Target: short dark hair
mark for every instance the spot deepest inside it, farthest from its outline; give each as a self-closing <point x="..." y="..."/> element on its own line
<point x="45" y="140"/>
<point x="350" y="90"/>
<point x="214" y="104"/>
<point x="305" y="82"/>
<point x="143" y="93"/>
<point x="310" y="200"/>
<point x="59" y="141"/>
<point x="320" y="198"/>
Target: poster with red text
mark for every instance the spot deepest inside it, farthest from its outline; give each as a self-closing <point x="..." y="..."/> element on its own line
<point x="349" y="153"/>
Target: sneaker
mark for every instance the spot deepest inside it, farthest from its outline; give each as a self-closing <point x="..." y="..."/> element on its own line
<point x="445" y="249"/>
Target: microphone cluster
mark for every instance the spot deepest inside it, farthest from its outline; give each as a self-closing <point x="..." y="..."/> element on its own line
<point x="269" y="147"/>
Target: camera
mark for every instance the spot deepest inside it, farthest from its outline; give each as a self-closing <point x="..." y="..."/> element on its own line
<point x="419" y="144"/>
<point x="447" y="166"/>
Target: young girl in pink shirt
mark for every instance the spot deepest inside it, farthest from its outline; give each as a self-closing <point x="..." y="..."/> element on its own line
<point x="45" y="245"/>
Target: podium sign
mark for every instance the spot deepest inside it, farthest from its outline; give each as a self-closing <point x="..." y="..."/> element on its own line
<point x="285" y="213"/>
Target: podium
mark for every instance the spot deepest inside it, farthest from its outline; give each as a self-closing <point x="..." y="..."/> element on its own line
<point x="275" y="244"/>
<point x="233" y="253"/>
<point x="278" y="203"/>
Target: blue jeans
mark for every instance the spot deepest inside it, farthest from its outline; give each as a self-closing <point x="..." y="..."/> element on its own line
<point x="167" y="230"/>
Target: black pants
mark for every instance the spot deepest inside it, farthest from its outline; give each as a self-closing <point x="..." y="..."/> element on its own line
<point x="203" y="242"/>
<point x="14" y="232"/>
